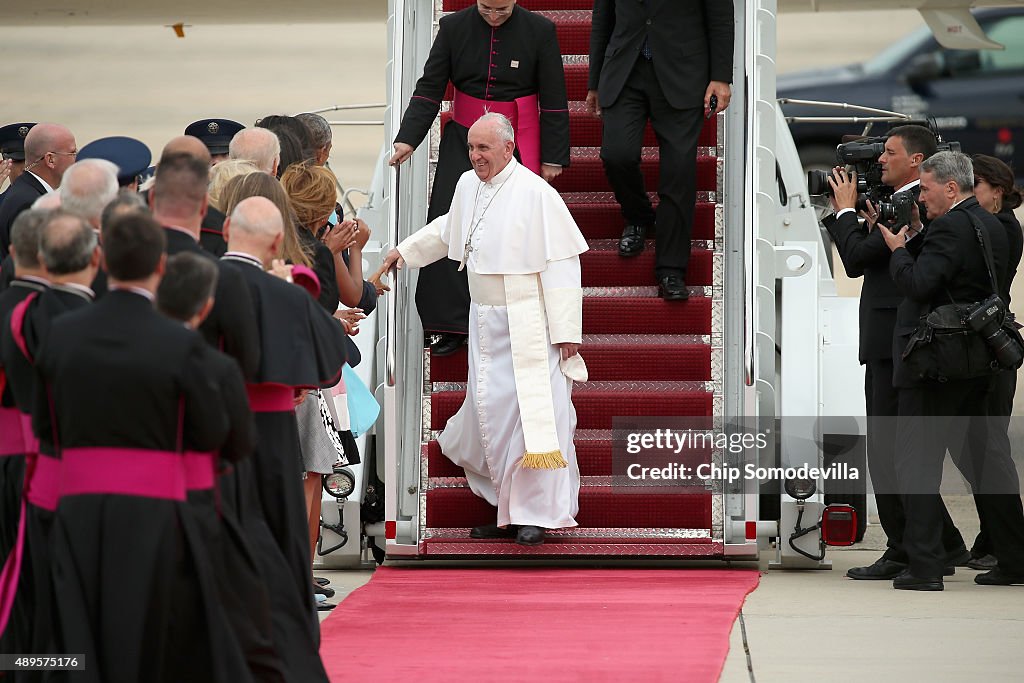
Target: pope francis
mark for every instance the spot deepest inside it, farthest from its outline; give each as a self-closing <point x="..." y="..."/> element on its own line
<point x="513" y="435"/>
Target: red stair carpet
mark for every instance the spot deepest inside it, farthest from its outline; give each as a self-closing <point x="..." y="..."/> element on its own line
<point x="535" y="624"/>
<point x="646" y="356"/>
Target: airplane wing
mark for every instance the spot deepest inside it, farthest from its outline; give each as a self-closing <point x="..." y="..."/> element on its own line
<point x="950" y="20"/>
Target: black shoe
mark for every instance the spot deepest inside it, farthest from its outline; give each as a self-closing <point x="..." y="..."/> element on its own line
<point x="997" y="577"/>
<point x="632" y="242"/>
<point x="321" y="581"/>
<point x="324" y="591"/>
<point x="492" y="531"/>
<point x="447" y="344"/>
<point x="530" y="535"/>
<point x="324" y="607"/>
<point x="908" y="582"/>
<point x="984" y="563"/>
<point x="672" y="288"/>
<point x="881" y="570"/>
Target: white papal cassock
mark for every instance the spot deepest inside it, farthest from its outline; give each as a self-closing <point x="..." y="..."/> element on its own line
<point x="521" y="248"/>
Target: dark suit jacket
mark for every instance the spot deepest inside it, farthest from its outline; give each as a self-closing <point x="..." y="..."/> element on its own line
<point x="25" y="190"/>
<point x="231" y="325"/>
<point x="1015" y="241"/>
<point x="865" y="253"/>
<point x="691" y="44"/>
<point x="950" y="264"/>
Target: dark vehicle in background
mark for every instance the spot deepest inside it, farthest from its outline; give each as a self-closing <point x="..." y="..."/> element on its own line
<point x="975" y="96"/>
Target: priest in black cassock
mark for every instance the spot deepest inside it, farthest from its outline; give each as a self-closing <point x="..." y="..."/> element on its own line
<point x="501" y="58"/>
<point x="235" y="593"/>
<point x="303" y="348"/>
<point x="31" y="280"/>
<point x="126" y="390"/>
<point x="70" y="253"/>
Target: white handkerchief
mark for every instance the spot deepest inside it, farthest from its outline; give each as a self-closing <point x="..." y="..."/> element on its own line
<point x="574" y="368"/>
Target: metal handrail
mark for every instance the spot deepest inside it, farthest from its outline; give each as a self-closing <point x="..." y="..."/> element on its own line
<point x="391" y="327"/>
<point x="348" y="107"/>
<point x="750" y="199"/>
<point x="844" y="106"/>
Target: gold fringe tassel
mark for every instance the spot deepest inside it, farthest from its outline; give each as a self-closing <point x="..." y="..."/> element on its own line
<point x="552" y="460"/>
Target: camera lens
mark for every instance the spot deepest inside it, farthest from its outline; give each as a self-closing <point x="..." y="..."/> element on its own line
<point x="817" y="183"/>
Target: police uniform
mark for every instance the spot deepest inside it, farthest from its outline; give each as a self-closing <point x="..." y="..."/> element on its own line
<point x="12" y="146"/>
<point x="131" y="156"/>
<point x="516" y="65"/>
<point x="303" y="347"/>
<point x="23" y="191"/>
<point x="216" y="134"/>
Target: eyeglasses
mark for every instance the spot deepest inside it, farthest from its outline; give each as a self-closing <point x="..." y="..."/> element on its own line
<point x="495" y="12"/>
<point x="72" y="153"/>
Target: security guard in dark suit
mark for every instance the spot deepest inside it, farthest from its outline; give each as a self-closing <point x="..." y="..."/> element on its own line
<point x="950" y="266"/>
<point x="864" y="253"/>
<point x="661" y="60"/>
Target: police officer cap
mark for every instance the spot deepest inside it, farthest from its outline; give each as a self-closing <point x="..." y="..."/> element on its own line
<point x="215" y="133"/>
<point x="12" y="140"/>
<point x="131" y="156"/>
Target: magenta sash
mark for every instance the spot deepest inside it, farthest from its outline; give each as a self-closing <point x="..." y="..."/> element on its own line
<point x="270" y="398"/>
<point x="199" y="474"/>
<point x="123" y="472"/>
<point x="523" y="112"/>
<point x="12" y="436"/>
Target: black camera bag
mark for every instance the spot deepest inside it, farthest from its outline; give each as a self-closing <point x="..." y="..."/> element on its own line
<point x="944" y="347"/>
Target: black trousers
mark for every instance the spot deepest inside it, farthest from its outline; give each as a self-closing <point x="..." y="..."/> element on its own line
<point x="678" y="131"/>
<point x="882" y="402"/>
<point x="987" y="476"/>
<point x="935" y="418"/>
<point x="442" y="292"/>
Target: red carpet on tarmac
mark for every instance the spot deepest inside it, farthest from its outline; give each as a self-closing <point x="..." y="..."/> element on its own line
<point x="530" y="624"/>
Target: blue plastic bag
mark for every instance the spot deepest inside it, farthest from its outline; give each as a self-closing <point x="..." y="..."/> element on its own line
<point x="363" y="408"/>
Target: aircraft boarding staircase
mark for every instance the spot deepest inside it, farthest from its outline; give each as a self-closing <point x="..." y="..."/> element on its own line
<point x="646" y="357"/>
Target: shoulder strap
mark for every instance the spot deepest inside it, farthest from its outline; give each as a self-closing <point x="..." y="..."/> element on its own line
<point x="986" y="250"/>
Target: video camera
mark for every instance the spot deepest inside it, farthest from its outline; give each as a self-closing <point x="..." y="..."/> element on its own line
<point x="861" y="155"/>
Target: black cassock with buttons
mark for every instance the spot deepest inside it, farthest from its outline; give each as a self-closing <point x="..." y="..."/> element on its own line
<point x="520" y="57"/>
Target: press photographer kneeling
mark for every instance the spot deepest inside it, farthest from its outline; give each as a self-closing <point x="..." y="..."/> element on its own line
<point x="946" y="369"/>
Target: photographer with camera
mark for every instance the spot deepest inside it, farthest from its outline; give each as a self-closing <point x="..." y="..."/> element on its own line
<point x="863" y="252"/>
<point x="946" y="368"/>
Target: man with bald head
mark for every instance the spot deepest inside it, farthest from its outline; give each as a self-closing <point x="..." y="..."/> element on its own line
<point x="68" y="248"/>
<point x="303" y="348"/>
<point x="258" y="145"/>
<point x="49" y="150"/>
